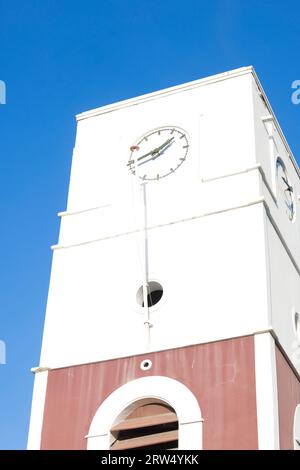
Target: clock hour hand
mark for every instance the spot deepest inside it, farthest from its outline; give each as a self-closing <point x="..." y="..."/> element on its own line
<point x="140" y="158"/>
<point x="289" y="187"/>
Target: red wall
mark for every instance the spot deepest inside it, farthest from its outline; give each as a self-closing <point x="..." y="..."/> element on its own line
<point x="221" y="375"/>
<point x="288" y="398"/>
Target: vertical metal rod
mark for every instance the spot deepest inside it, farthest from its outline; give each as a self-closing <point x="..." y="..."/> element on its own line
<point x="144" y="233"/>
<point x="146" y="268"/>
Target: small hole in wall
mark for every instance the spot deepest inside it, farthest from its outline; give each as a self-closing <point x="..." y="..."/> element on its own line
<point x="146" y="364"/>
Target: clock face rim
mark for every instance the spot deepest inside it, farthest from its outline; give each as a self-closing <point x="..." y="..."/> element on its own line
<point x="146" y="135"/>
<point x="290" y="212"/>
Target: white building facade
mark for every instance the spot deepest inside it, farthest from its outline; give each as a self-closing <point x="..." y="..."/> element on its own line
<point x="175" y="284"/>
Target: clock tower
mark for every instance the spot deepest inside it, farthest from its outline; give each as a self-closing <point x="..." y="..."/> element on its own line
<point x="173" y="316"/>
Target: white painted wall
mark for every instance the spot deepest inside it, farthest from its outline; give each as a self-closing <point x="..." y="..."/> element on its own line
<point x="266" y="392"/>
<point x="37" y="409"/>
<point x="282" y="235"/>
<point x="93" y="314"/>
<point x="285" y="295"/>
<point x="297" y="428"/>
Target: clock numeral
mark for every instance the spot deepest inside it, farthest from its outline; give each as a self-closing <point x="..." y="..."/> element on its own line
<point x="172" y="131"/>
<point x="182" y="136"/>
<point x="158" y="132"/>
<point x="182" y="159"/>
<point x="157" y="176"/>
<point x="144" y="177"/>
<point x="171" y="169"/>
<point x="185" y="147"/>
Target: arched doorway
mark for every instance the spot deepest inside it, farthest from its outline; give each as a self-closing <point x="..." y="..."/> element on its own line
<point x="147" y="390"/>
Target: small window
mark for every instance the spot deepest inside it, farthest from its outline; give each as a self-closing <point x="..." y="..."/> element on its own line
<point x="153" y="425"/>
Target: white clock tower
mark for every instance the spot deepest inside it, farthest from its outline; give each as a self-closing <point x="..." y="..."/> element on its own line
<point x="173" y="317"/>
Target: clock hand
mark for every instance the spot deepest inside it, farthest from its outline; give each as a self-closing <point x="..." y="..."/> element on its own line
<point x="165" y="144"/>
<point x="152" y="152"/>
<point x="290" y="208"/>
<point x="289" y="187"/>
<point x="156" y="152"/>
<point x="156" y="155"/>
<point x="140" y="158"/>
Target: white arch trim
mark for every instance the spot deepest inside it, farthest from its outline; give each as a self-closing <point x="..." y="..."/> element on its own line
<point x="176" y="394"/>
<point x="297" y="428"/>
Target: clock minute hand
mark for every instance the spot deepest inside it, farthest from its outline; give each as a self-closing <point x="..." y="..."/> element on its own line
<point x="162" y="150"/>
<point x="157" y="149"/>
<point x="289" y="187"/>
<point x="167" y="142"/>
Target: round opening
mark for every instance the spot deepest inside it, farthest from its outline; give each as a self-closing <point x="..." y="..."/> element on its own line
<point x="146" y="364"/>
<point x="154" y="294"/>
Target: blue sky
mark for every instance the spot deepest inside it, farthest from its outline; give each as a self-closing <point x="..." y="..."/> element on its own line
<point x="59" y="58"/>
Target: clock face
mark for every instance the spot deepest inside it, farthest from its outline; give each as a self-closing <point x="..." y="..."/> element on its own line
<point x="158" y="153"/>
<point x="285" y="190"/>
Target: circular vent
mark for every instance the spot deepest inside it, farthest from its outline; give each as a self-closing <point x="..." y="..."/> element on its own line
<point x="146" y="364"/>
<point x="155" y="293"/>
